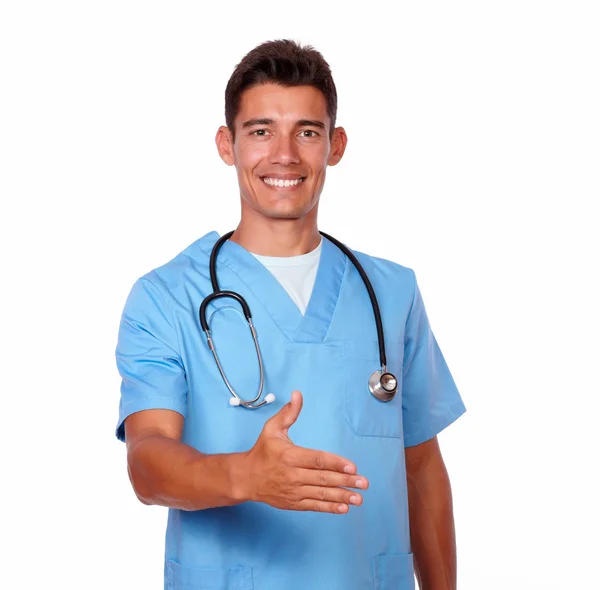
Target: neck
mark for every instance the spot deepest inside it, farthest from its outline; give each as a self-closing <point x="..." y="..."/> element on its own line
<point x="278" y="237"/>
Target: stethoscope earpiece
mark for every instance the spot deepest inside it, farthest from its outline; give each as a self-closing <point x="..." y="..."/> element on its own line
<point x="236" y="401"/>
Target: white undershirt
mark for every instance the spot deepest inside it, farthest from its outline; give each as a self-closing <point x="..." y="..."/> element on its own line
<point x="296" y="274"/>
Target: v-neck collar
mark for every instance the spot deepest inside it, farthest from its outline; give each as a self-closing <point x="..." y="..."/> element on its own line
<point x="314" y="324"/>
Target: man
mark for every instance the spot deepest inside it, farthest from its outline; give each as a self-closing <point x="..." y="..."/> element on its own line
<point x="315" y="492"/>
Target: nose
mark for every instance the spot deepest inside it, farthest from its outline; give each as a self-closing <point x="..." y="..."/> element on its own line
<point x="285" y="151"/>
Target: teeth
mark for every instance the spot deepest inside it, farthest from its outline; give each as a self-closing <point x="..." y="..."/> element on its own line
<point x="282" y="183"/>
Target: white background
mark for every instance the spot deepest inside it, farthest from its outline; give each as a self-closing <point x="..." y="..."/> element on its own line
<point x="473" y="158"/>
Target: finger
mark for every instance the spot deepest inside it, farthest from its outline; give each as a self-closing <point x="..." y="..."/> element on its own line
<point x="289" y="413"/>
<point x="333" y="479"/>
<point x="333" y="495"/>
<point x="320" y="506"/>
<point x="311" y="459"/>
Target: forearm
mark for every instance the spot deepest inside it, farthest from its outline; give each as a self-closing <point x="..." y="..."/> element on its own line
<point x="432" y="526"/>
<point x="167" y="472"/>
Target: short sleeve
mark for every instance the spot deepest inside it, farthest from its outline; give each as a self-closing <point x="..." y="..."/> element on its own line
<point x="430" y="398"/>
<point x="151" y="369"/>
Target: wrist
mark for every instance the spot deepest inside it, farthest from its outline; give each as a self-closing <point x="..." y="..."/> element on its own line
<point x="241" y="478"/>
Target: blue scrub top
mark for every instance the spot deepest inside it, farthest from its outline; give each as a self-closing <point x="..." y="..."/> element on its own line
<point x="328" y="354"/>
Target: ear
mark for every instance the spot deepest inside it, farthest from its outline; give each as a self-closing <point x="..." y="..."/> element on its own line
<point x="338" y="146"/>
<point x="224" y="143"/>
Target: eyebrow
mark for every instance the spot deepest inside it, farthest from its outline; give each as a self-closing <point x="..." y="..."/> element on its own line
<point x="300" y="123"/>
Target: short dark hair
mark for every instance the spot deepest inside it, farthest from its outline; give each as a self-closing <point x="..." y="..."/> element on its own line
<point x="283" y="62"/>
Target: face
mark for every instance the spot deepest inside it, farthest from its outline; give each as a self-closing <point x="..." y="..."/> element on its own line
<point x="281" y="150"/>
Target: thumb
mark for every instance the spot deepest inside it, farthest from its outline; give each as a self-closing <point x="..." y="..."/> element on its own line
<point x="290" y="412"/>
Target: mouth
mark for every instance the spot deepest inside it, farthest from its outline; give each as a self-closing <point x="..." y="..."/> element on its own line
<point x="280" y="183"/>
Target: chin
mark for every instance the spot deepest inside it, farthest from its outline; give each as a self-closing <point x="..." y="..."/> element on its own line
<point x="280" y="208"/>
<point x="271" y="214"/>
<point x="285" y="210"/>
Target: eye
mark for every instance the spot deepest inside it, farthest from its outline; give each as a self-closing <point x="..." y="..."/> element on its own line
<point x="310" y="131"/>
<point x="259" y="132"/>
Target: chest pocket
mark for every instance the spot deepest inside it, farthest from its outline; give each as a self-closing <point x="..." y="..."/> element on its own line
<point x="365" y="414"/>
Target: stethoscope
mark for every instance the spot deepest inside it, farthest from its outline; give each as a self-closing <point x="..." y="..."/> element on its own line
<point x="382" y="385"/>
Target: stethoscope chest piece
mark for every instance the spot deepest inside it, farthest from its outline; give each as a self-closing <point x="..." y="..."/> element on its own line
<point x="383" y="385"/>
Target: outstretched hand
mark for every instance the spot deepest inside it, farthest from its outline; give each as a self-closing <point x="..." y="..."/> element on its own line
<point x="290" y="477"/>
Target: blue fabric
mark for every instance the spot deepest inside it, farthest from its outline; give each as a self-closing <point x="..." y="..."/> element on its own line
<point x="328" y="354"/>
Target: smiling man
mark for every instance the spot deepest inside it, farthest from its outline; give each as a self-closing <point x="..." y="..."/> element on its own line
<point x="334" y="479"/>
<point x="281" y="162"/>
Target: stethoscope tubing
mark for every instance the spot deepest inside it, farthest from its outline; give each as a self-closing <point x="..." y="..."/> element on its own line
<point x="376" y="378"/>
<point x="370" y="290"/>
<point x="246" y="309"/>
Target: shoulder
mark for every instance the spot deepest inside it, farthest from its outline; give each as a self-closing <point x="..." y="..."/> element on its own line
<point x="170" y="283"/>
<point x="192" y="260"/>
<point x="388" y="271"/>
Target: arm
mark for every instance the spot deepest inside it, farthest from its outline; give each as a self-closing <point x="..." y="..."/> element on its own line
<point x="431" y="517"/>
<point x="165" y="471"/>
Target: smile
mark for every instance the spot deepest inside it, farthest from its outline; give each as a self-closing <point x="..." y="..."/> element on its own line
<point x="282" y="183"/>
